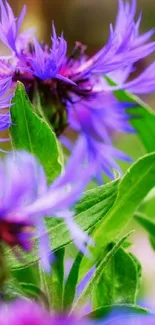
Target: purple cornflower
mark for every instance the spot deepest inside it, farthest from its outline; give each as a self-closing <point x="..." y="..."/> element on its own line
<point x="92" y="111"/>
<point x="26" y="199"/>
<point x="10" y="26"/>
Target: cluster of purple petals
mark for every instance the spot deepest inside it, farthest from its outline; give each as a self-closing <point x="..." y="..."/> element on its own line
<point x="78" y="81"/>
<point x="22" y="312"/>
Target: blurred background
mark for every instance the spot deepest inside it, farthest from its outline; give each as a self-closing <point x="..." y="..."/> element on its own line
<point x="81" y="20"/>
<point x="88" y="21"/>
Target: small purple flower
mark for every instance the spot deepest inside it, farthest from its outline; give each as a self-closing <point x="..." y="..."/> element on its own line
<point x="10" y="26"/>
<point x="26" y="199"/>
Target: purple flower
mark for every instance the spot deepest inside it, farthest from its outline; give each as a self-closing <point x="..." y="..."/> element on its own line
<point x="46" y="63"/>
<point x="63" y="193"/>
<point x="10" y="26"/>
<point x="26" y="199"/>
<point x="92" y="110"/>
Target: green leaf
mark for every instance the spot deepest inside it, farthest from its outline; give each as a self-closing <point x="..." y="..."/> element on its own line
<point x="71" y="282"/>
<point x="106" y="259"/>
<point x="119" y="282"/>
<point x="121" y="309"/>
<point x="105" y="194"/>
<point x="90" y="210"/>
<point x="133" y="188"/>
<point x="142" y="117"/>
<point x="33" y="134"/>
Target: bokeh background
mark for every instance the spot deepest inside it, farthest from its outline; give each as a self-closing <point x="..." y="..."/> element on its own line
<point x="82" y="20"/>
<point x="88" y="21"/>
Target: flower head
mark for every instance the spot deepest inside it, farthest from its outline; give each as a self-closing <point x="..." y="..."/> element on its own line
<point x="85" y="102"/>
<point x="92" y="109"/>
